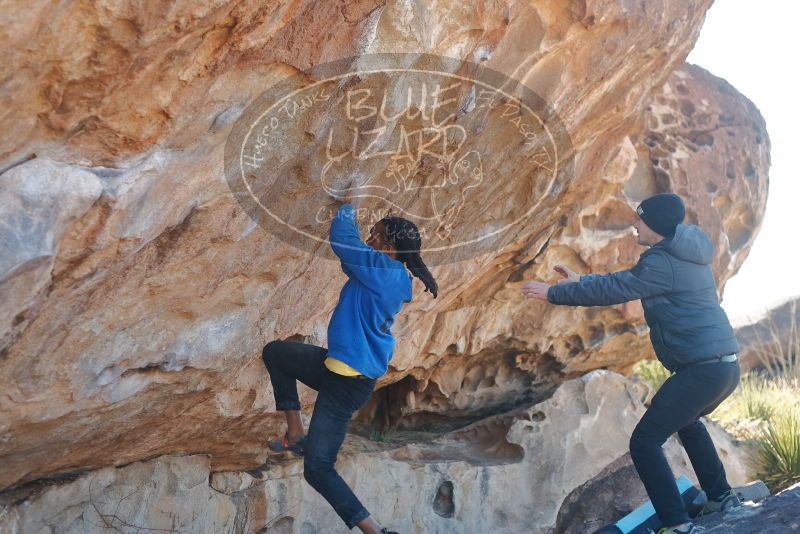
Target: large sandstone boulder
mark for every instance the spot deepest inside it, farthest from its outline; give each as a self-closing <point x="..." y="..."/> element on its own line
<point x="509" y="473"/>
<point x="137" y="293"/>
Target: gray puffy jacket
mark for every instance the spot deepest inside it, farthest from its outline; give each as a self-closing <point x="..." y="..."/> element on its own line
<point x="674" y="281"/>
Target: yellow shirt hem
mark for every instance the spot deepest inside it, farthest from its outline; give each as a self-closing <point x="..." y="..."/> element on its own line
<point x="340" y="368"/>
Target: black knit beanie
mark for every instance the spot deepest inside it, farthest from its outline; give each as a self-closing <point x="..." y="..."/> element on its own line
<point x="662" y="213"/>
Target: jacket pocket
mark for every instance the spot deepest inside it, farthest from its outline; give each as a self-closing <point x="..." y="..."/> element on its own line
<point x="679" y="345"/>
<point x="672" y="349"/>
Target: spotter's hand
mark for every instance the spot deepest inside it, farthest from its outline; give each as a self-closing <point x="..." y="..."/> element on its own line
<point x="567" y="276"/>
<point x="535" y="290"/>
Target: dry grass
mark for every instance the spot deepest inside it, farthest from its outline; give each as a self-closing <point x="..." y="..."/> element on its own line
<point x="779" y="353"/>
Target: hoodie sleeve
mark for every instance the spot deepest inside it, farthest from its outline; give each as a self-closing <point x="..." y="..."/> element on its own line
<point x="651" y="276"/>
<point x="359" y="260"/>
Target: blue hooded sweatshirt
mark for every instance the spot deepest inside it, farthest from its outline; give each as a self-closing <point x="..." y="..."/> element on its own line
<point x="674" y="281"/>
<point x="359" y="332"/>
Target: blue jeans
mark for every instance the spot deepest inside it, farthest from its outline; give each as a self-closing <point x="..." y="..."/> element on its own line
<point x="687" y="395"/>
<point x="339" y="398"/>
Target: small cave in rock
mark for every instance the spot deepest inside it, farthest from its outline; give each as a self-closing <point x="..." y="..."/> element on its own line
<point x="701" y="138"/>
<point x="687" y="108"/>
<point x="662" y="180"/>
<point x="730" y="170"/>
<point x="444" y="502"/>
<point x="458" y="392"/>
<point x="749" y="170"/>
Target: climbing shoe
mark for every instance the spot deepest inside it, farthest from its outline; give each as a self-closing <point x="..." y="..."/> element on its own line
<point x="688" y="529"/>
<point x="282" y="444"/>
<point x="726" y="501"/>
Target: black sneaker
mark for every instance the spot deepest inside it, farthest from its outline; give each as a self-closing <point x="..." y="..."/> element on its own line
<point x="282" y="444"/>
<point x="726" y="501"/>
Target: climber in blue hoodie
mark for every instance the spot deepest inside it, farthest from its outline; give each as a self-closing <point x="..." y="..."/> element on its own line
<point x="692" y="337"/>
<point x="360" y="345"/>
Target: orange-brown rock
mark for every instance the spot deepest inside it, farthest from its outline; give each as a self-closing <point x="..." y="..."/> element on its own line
<point x="137" y="294"/>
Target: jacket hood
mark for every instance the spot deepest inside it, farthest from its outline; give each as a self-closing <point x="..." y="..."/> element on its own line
<point x="690" y="243"/>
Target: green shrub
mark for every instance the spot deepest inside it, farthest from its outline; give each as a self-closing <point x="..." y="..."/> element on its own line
<point x="754" y="399"/>
<point x="779" y="353"/>
<point x="779" y="449"/>
<point x="765" y="410"/>
<point x="652" y="372"/>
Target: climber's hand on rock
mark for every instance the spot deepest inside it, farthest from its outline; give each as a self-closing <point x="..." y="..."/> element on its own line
<point x="343" y="198"/>
<point x="567" y="276"/>
<point x="346" y="195"/>
<point x="535" y="290"/>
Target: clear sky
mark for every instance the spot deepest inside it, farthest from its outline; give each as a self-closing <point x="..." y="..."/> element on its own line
<point x="754" y="45"/>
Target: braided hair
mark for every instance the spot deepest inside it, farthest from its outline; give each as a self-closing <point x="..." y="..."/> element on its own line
<point x="404" y="235"/>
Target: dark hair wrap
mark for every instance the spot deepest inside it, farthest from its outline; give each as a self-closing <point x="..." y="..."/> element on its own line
<point x="404" y="235"/>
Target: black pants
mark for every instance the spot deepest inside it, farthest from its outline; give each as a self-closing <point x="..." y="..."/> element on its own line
<point x="687" y="395"/>
<point x="339" y="397"/>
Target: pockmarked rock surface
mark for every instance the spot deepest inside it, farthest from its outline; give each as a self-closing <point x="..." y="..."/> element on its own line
<point x="137" y="293"/>
<point x="508" y="473"/>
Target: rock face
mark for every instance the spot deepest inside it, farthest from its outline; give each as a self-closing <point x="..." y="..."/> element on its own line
<point x="774" y="515"/>
<point x="617" y="490"/>
<point x="509" y="473"/>
<point x="169" y="493"/>
<point x="137" y="294"/>
<point x="773" y="340"/>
